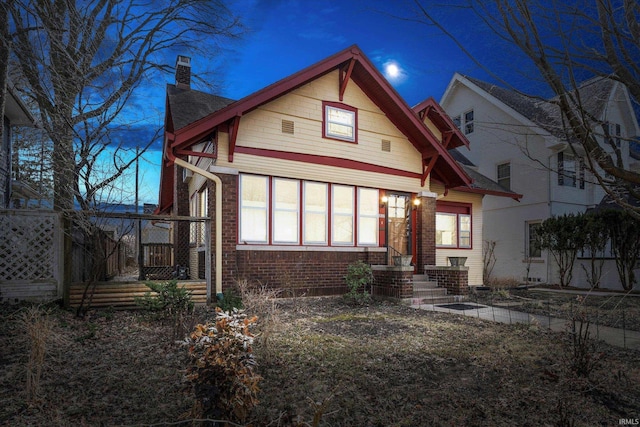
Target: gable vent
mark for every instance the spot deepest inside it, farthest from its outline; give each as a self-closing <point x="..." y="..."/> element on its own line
<point x="287" y="126"/>
<point x="386" y="145"/>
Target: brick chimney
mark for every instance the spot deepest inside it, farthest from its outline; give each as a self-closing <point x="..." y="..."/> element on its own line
<point x="183" y="72"/>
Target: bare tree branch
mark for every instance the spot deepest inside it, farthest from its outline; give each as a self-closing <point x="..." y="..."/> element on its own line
<point x="83" y="62"/>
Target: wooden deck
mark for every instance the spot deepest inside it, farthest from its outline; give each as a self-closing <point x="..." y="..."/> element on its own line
<point x="121" y="295"/>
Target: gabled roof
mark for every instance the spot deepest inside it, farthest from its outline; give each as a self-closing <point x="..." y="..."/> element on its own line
<point x="481" y="184"/>
<point x="452" y="136"/>
<point x="185" y="106"/>
<point x="545" y="113"/>
<point x="184" y="130"/>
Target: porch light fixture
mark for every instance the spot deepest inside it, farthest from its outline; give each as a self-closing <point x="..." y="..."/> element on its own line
<point x="384" y="199"/>
<point x="416" y="202"/>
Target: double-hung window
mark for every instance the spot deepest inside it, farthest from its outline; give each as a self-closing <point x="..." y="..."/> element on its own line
<point x="286" y="205"/>
<point x="464" y="122"/>
<point x="468" y="122"/>
<point x="198" y="207"/>
<point x="254" y="208"/>
<point x="453" y="225"/>
<point x="343" y="211"/>
<point x="315" y="213"/>
<point x="571" y="170"/>
<point x="340" y="121"/>
<point x="368" y="205"/>
<point x="283" y="211"/>
<point x="614" y="132"/>
<point x="503" y="173"/>
<point x="531" y="237"/>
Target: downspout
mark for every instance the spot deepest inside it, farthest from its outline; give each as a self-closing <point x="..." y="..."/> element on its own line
<point x="218" y="215"/>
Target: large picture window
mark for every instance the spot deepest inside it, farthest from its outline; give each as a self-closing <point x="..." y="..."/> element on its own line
<point x="453" y="225"/>
<point x="284" y="211"/>
<point x="340" y="121"/>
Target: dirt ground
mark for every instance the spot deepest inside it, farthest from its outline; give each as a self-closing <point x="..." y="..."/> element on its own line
<point x="377" y="365"/>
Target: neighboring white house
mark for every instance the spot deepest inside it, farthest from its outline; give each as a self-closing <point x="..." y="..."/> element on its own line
<point x="15" y="114"/>
<point x="518" y="141"/>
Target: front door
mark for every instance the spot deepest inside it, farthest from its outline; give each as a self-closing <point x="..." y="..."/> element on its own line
<point x="399" y="225"/>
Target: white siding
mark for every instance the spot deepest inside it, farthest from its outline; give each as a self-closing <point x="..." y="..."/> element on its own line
<point x="501" y="135"/>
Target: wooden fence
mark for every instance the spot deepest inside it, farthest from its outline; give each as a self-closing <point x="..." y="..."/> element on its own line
<point x="122" y="295"/>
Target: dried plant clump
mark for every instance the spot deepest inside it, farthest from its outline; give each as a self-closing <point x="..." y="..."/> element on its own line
<point x="38" y="327"/>
<point x="221" y="367"/>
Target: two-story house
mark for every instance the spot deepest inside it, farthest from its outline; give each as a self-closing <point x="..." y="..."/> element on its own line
<point x="518" y="141"/>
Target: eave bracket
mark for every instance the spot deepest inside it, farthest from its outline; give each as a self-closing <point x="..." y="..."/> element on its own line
<point x="233" y="136"/>
<point x="344" y="77"/>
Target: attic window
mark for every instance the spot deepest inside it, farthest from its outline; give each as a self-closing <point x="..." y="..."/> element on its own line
<point x="386" y="145"/>
<point x="468" y="122"/>
<point x="340" y="121"/>
<point x="504" y="175"/>
<point x="287" y="126"/>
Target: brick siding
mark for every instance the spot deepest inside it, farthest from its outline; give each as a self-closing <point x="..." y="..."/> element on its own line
<point x="454" y="279"/>
<point x="393" y="282"/>
<point x="309" y="273"/>
<point x="426" y="229"/>
<point x="181" y="208"/>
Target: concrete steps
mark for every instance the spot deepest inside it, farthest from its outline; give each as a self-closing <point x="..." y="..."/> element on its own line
<point x="426" y="291"/>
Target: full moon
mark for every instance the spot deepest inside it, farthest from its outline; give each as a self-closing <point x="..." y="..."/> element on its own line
<point x="392" y="70"/>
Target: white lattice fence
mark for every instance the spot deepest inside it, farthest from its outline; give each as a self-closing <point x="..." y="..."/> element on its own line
<point x="31" y="254"/>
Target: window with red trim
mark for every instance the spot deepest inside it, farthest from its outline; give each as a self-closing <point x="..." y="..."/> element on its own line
<point x="339" y="121"/>
<point x="284" y="211"/>
<point x="453" y="225"/>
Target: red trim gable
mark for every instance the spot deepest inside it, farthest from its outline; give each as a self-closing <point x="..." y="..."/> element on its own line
<point x="452" y="136"/>
<point x="368" y="78"/>
<point x="354" y="66"/>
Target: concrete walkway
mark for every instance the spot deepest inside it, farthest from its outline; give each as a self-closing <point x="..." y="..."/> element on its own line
<point x="614" y="336"/>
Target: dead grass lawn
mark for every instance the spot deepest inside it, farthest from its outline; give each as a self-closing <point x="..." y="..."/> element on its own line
<point x="380" y="365"/>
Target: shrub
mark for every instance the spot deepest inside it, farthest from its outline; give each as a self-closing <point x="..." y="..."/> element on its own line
<point x="582" y="350"/>
<point x="221" y="367"/>
<point x="170" y="300"/>
<point x="359" y="277"/>
<point x="229" y="300"/>
<point x="563" y="236"/>
<point x="168" y="297"/>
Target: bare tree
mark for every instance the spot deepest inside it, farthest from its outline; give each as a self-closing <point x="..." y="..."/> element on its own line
<point x="567" y="43"/>
<point x="83" y="61"/>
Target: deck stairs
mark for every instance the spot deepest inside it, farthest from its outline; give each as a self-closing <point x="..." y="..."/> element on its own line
<point x="426" y="291"/>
